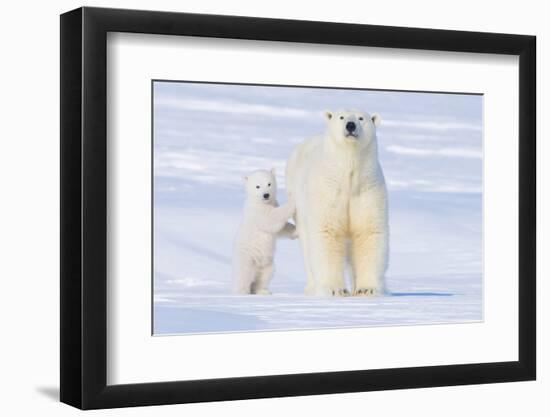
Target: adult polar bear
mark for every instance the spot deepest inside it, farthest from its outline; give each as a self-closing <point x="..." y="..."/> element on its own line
<point x="341" y="205"/>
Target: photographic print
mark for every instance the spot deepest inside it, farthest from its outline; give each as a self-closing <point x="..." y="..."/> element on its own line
<point x="294" y="207"/>
<point x="306" y="191"/>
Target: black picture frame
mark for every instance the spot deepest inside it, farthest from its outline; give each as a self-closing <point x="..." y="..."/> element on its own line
<point x="84" y="207"/>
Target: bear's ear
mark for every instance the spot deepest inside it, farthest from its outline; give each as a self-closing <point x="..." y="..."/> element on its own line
<point x="273" y="171"/>
<point x="245" y="179"/>
<point x="376" y="119"/>
<point x="328" y="115"/>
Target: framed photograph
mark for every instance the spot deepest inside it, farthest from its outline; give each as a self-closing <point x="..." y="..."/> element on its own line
<point x="258" y="208"/>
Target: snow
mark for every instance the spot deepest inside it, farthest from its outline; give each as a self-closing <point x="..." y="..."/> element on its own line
<point x="206" y="137"/>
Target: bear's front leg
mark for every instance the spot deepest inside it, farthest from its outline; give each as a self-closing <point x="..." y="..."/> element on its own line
<point x="328" y="257"/>
<point x="369" y="258"/>
<point x="279" y="216"/>
<point x="302" y="230"/>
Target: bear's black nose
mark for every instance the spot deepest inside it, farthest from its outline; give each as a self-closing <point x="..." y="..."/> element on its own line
<point x="350" y="126"/>
<point x="266" y="196"/>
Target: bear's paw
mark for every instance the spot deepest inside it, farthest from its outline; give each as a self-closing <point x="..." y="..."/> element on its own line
<point x="367" y="291"/>
<point x="332" y="292"/>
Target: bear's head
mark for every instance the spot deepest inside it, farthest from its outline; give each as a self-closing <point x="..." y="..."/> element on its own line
<point x="261" y="186"/>
<point x="351" y="127"/>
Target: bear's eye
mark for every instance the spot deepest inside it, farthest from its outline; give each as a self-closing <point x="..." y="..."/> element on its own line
<point x="341" y="117"/>
<point x="258" y="187"/>
<point x="269" y="185"/>
<point x="361" y="118"/>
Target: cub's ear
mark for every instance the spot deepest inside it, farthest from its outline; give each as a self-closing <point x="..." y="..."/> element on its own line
<point x="245" y="179"/>
<point x="273" y="171"/>
<point x="376" y="119"/>
<point x="328" y="115"/>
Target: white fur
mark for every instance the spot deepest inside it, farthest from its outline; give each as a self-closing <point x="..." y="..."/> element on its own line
<point x="263" y="221"/>
<point x="341" y="206"/>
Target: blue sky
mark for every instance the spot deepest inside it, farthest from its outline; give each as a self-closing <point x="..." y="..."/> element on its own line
<point x="427" y="142"/>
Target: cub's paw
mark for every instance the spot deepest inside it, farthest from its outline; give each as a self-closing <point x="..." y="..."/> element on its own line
<point x="263" y="292"/>
<point x="368" y="291"/>
<point x="294" y="234"/>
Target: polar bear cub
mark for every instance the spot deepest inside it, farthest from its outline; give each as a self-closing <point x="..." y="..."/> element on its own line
<point x="263" y="221"/>
<point x="341" y="205"/>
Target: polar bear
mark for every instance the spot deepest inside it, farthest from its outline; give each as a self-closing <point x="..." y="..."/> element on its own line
<point x="263" y="221"/>
<point x="341" y="205"/>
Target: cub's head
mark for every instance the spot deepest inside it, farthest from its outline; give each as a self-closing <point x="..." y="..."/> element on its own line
<point x="352" y="127"/>
<point x="261" y="186"/>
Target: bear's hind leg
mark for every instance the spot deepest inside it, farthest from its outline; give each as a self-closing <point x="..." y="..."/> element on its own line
<point x="261" y="284"/>
<point x="244" y="277"/>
